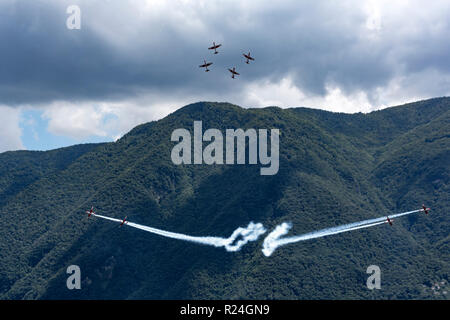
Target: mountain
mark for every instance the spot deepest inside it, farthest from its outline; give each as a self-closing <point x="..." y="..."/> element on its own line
<point x="334" y="168"/>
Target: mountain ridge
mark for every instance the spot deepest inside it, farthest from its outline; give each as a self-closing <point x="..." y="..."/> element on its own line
<point x="333" y="169"/>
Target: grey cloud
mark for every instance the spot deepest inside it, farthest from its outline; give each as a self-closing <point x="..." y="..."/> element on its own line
<point x="120" y="53"/>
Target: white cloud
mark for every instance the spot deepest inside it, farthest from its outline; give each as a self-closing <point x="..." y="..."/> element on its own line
<point x="110" y="120"/>
<point x="399" y="90"/>
<point x="78" y="122"/>
<point x="10" y="132"/>
<point x="286" y="94"/>
<point x="373" y="21"/>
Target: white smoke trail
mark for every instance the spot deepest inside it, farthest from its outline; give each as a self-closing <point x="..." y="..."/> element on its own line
<point x="251" y="233"/>
<point x="254" y="230"/>
<point x="273" y="241"/>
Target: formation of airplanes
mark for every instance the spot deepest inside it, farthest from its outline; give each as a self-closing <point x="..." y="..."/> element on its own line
<point x="124" y="221"/>
<point x="424" y="209"/>
<point x="233" y="71"/>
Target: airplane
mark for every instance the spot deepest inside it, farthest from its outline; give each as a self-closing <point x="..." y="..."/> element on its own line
<point x="90" y="212"/>
<point x="124" y="221"/>
<point x="389" y="221"/>
<point x="233" y="72"/>
<point x="205" y="65"/>
<point x="248" y="57"/>
<point x="425" y="209"/>
<point x="214" y="47"/>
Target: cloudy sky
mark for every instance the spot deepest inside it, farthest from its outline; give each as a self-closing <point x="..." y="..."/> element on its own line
<point x="133" y="61"/>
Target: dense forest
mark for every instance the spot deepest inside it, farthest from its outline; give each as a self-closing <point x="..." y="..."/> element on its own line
<point x="335" y="168"/>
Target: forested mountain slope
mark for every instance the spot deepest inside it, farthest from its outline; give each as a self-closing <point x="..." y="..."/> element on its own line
<point x="334" y="168"/>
